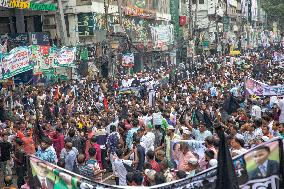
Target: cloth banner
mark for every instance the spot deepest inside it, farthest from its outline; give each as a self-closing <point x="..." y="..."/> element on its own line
<point x="56" y="177"/>
<point x="195" y="146"/>
<point x="65" y="57"/>
<point x="248" y="168"/>
<point x="162" y="35"/>
<point x="128" y="60"/>
<point x="42" y="58"/>
<point x="254" y="87"/>
<point x="15" y="62"/>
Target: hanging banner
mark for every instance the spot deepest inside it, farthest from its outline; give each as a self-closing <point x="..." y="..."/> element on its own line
<point x="86" y="24"/>
<point x="254" y="87"/>
<point x="56" y="177"/>
<point x="128" y="60"/>
<point x="42" y="59"/>
<point x="21" y="4"/>
<point x="194" y="145"/>
<point x="65" y="57"/>
<point x="15" y="62"/>
<point x="143" y="13"/>
<point x="247" y="167"/>
<point x="162" y="35"/>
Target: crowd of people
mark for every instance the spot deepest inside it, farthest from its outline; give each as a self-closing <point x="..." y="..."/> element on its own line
<point x="95" y="127"/>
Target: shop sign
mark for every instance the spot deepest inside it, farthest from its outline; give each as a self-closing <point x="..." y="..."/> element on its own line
<point x="20" y="4"/>
<point x="134" y="11"/>
<point x="43" y="7"/>
<point x="4" y="3"/>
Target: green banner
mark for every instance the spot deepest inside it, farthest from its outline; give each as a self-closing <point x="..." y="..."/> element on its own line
<point x="174" y="10"/>
<point x="15" y="62"/>
<point x="86" y="24"/>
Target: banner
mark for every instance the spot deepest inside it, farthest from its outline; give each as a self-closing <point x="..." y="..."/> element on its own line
<point x="162" y="35"/>
<point x="128" y="60"/>
<point x="248" y="169"/>
<point x="42" y="58"/>
<point x="15" y="62"/>
<point x="55" y="177"/>
<point x="254" y="87"/>
<point x="195" y="146"/>
<point x="65" y="57"/>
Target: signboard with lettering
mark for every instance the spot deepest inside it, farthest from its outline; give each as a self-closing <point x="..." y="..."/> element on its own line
<point x="39" y="38"/>
<point x="86" y="24"/>
<point x="134" y="11"/>
<point x="22" y="4"/>
<point x="15" y="62"/>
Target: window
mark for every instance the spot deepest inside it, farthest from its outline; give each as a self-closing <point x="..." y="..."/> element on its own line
<point x="201" y="2"/>
<point x="193" y="2"/>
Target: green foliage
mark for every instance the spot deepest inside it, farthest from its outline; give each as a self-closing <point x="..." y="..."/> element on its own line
<point x="275" y="11"/>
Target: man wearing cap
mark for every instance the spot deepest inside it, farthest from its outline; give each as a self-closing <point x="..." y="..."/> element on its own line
<point x="192" y="167"/>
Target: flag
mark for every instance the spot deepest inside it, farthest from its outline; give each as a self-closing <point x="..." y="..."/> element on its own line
<point x="230" y="105"/>
<point x="226" y="176"/>
<point x="106" y="104"/>
<point x="38" y="132"/>
<point x="56" y="96"/>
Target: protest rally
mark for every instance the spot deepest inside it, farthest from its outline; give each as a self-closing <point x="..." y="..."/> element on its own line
<point x="146" y="129"/>
<point x="123" y="94"/>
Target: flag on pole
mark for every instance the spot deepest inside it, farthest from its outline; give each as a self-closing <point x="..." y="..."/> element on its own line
<point x="226" y="176"/>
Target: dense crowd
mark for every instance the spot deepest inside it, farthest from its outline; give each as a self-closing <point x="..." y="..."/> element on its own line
<point x="94" y="127"/>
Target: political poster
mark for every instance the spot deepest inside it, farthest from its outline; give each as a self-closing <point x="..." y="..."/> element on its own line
<point x="259" y="167"/>
<point x="162" y="35"/>
<point x="40" y="56"/>
<point x="15" y="62"/>
<point x="65" y="57"/>
<point x="128" y="60"/>
<point x="195" y="146"/>
<point x="45" y="175"/>
<point x="254" y="87"/>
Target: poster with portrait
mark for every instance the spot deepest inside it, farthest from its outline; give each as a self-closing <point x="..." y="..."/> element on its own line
<point x="263" y="166"/>
<point x="45" y="175"/>
<point x="128" y="60"/>
<point x="248" y="167"/>
<point x="195" y="146"/>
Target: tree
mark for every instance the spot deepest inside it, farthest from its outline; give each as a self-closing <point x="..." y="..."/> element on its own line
<point x="275" y="12"/>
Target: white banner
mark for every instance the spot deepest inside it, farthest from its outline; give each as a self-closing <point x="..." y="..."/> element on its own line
<point x="254" y="87"/>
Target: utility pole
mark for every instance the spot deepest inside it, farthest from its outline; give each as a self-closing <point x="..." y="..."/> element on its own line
<point x="195" y="19"/>
<point x="119" y="4"/>
<point x="63" y="32"/>
<point x="190" y="18"/>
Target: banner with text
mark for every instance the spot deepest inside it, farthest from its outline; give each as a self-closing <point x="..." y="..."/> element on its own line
<point x="254" y="87"/>
<point x="15" y="62"/>
<point x="248" y="169"/>
<point x="66" y="57"/>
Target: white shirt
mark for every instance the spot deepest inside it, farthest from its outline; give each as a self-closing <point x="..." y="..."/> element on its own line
<point x="256" y="111"/>
<point x="147" y="141"/>
<point x="121" y="170"/>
